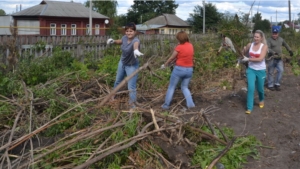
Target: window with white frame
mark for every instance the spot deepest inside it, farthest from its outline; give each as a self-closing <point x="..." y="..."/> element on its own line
<point x="97" y="29"/>
<point x="52" y="29"/>
<point x="87" y="32"/>
<point x="63" y="29"/>
<point x="73" y="29"/>
<point x="162" y="31"/>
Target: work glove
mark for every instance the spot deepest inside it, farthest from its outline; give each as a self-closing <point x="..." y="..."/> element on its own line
<point x="291" y="53"/>
<point x="245" y="59"/>
<point x="162" y="66"/>
<point x="110" y="41"/>
<point x="237" y="64"/>
<point x="137" y="53"/>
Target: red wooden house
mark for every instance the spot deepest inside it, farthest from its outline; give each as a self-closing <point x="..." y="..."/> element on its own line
<point x="55" y="18"/>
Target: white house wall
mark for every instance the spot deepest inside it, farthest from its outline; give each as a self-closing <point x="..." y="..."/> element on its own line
<point x="5" y="22"/>
<point x="26" y="27"/>
<point x="172" y="31"/>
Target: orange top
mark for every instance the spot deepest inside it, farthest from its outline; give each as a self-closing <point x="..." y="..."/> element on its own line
<point x="185" y="55"/>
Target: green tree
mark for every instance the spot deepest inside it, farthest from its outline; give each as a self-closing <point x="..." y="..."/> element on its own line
<point x="263" y="25"/>
<point x="256" y="17"/>
<point x="234" y="27"/>
<point x="245" y="18"/>
<point x="107" y="8"/>
<point x="122" y="19"/>
<point x="2" y="12"/>
<point x="143" y="10"/>
<point x="212" y="18"/>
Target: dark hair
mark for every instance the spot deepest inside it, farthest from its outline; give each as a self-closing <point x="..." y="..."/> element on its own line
<point x="130" y="25"/>
<point x="182" y="37"/>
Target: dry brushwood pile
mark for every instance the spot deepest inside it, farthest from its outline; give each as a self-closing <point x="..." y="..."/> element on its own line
<point x="91" y="128"/>
<point x="56" y="112"/>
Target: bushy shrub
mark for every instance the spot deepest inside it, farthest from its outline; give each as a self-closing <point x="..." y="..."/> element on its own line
<point x="45" y="68"/>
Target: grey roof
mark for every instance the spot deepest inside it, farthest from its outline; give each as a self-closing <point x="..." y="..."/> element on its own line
<point x="167" y="20"/>
<point x="144" y="27"/>
<point x="59" y="9"/>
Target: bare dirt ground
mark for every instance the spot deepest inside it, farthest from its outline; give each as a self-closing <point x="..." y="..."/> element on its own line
<point x="276" y="125"/>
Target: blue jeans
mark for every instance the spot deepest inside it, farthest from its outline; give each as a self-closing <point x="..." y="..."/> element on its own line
<point x="127" y="70"/>
<point x="278" y="65"/>
<point x="184" y="74"/>
<point x="255" y="78"/>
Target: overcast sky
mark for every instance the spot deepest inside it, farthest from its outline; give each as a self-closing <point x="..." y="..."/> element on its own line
<point x="273" y="10"/>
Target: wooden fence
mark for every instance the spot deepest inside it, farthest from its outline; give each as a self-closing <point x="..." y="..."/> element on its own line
<point x="79" y="45"/>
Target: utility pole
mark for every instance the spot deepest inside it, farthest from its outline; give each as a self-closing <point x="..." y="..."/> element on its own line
<point x="290" y="11"/>
<point x="203" y="16"/>
<point x="293" y="21"/>
<point x="90" y="20"/>
<point x="276" y="18"/>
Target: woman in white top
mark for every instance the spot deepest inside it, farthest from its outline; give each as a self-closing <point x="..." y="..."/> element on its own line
<point x="256" y="71"/>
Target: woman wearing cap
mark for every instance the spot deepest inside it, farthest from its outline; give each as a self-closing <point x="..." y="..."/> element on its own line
<point x="256" y="71"/>
<point x="129" y="62"/>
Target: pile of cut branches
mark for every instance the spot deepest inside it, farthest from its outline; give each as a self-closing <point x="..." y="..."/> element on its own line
<point x="68" y="122"/>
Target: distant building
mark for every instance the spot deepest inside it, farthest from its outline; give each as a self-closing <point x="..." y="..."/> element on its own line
<point x="5" y="22"/>
<point x="293" y="26"/>
<point x="55" y="18"/>
<point x="164" y="24"/>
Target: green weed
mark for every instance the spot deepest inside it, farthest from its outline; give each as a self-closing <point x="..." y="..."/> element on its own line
<point x="295" y="62"/>
<point x="225" y="84"/>
<point x="242" y="148"/>
<point x="40" y="45"/>
<point x="45" y="68"/>
<point x="108" y="66"/>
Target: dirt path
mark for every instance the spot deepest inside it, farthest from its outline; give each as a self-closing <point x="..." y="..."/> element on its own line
<point x="277" y="125"/>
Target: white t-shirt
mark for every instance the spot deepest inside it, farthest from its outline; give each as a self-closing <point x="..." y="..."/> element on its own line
<point x="255" y="54"/>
